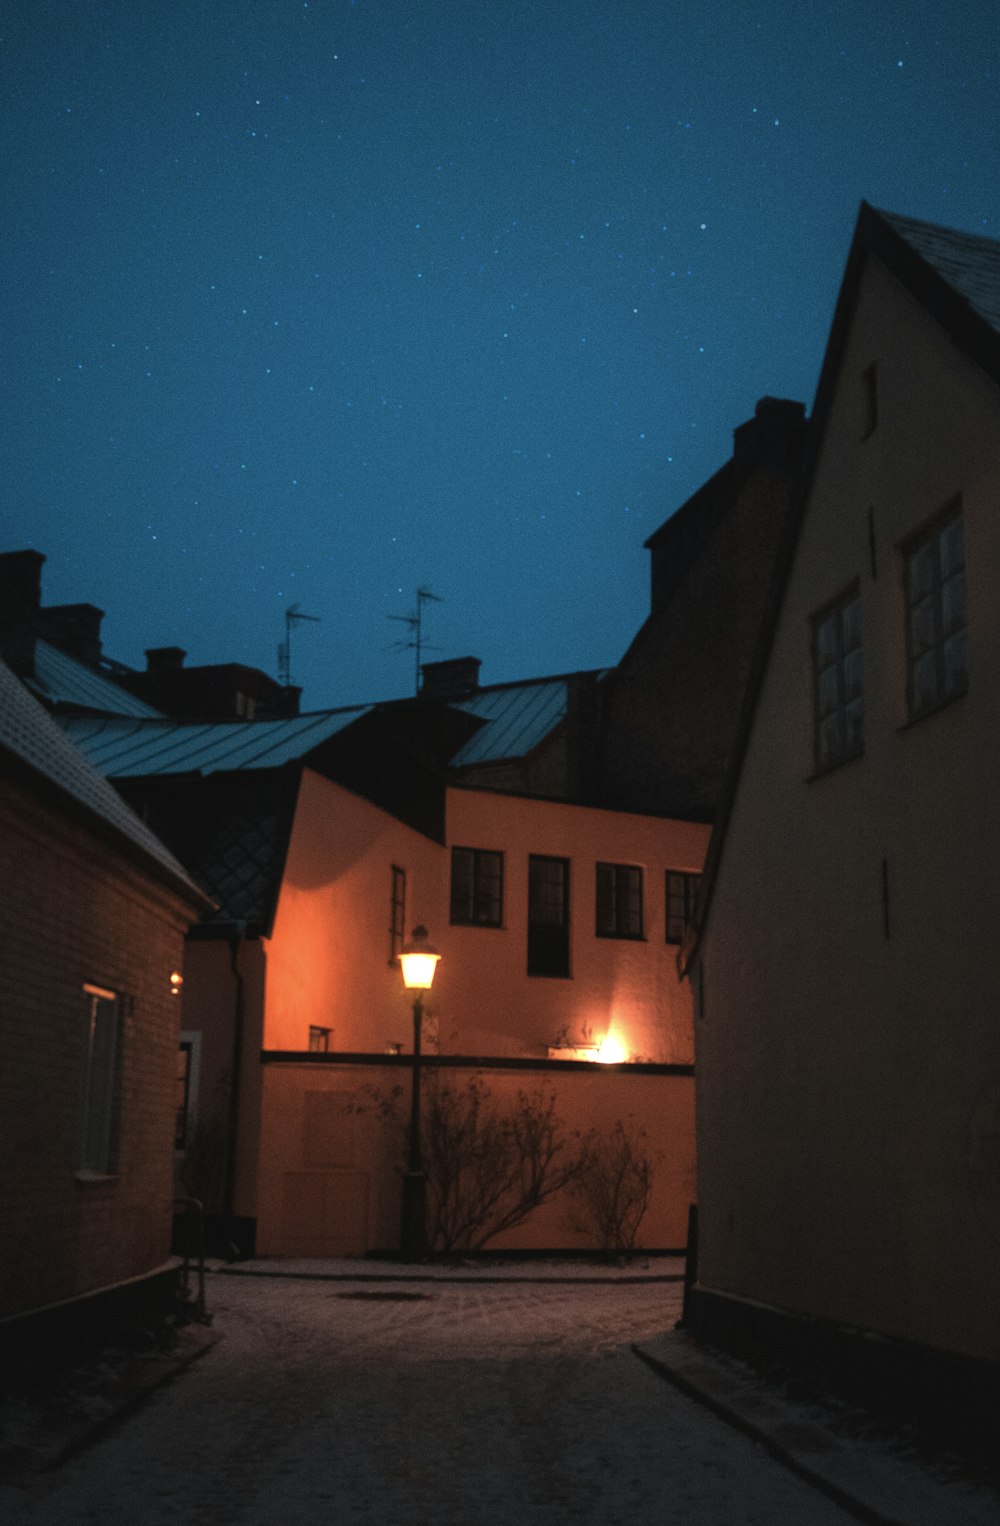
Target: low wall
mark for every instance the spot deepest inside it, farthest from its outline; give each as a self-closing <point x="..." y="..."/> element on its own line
<point x="330" y="1171"/>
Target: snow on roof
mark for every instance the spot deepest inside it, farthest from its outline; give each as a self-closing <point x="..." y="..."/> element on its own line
<point x="32" y="736"/>
<point x="968" y="262"/>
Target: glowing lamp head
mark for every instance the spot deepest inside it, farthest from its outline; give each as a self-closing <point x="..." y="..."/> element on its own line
<point x="418" y="961"/>
<point x="611" y="1051"/>
<point x="176" y="981"/>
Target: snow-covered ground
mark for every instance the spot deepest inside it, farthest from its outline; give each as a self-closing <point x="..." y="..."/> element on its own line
<point x="392" y="1402"/>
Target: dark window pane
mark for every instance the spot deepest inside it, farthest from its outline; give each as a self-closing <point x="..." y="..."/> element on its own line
<point x="477" y="886"/>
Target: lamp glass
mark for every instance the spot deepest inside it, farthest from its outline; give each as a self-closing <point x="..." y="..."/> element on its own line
<point x="418" y="969"/>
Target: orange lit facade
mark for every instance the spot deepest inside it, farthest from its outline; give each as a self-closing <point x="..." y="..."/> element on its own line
<point x="313" y="1017"/>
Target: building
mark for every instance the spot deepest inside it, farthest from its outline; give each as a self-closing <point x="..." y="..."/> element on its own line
<point x="844" y="964"/>
<point x="669" y="709"/>
<point x="95" y="916"/>
<point x="323" y="839"/>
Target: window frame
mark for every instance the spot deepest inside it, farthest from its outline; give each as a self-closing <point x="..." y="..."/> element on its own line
<point x="690" y="880"/>
<point x="483" y="890"/>
<point x="100" y="1114"/>
<point x="621" y="881"/>
<point x="318" y="1040"/>
<point x="932" y="533"/>
<point x="849" y="745"/>
<point x="397" y="913"/>
<point x="557" y="957"/>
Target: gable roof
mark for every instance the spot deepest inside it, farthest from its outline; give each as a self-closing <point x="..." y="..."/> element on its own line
<point x="126" y="748"/>
<point x="516" y="717"/>
<point x="42" y="754"/>
<point x="956" y="278"/>
<point x="63" y="682"/>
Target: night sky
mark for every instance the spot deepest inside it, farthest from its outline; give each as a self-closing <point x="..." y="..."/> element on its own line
<point x="317" y="302"/>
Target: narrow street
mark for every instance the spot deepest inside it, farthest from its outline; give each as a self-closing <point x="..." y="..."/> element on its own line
<point x="404" y="1403"/>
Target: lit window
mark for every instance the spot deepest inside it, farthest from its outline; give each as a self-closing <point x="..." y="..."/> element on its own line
<point x="319" y="1040"/>
<point x="681" y="894"/>
<point x="837" y="681"/>
<point x="935" y="615"/>
<point x="548" y="915"/>
<point x="397" y="912"/>
<point x="619" y="901"/>
<point x="102" y="1080"/>
<point x="477" y="887"/>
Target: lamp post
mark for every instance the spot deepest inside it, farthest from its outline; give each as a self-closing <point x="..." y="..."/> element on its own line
<point x="418" y="961"/>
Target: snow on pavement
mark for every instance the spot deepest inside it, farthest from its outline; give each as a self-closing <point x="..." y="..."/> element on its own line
<point x="399" y="1403"/>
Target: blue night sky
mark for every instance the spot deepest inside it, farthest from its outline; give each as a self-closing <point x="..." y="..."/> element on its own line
<point x="318" y="302"/>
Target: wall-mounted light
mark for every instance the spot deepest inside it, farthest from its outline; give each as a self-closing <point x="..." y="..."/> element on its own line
<point x="176" y="981"/>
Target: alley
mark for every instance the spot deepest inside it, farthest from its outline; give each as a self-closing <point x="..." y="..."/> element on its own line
<point x="403" y="1403"/>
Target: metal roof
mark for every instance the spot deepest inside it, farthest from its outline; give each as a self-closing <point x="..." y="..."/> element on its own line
<point x="122" y="748"/>
<point x="61" y="680"/>
<point x="969" y="263"/>
<point x="517" y="717"/>
<point x="30" y="733"/>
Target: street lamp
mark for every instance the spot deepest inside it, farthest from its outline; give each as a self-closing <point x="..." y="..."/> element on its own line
<point x="419" y="962"/>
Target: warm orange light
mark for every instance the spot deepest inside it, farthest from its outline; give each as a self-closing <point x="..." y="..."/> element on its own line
<point x="176" y="981"/>
<point x="611" y="1051"/>
<point x="418" y="961"/>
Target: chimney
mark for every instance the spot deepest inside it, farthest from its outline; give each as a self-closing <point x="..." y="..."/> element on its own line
<point x="456" y="678"/>
<point x="773" y="437"/>
<point x="20" y="599"/>
<point x="74" y="629"/>
<point x="165" y="659"/>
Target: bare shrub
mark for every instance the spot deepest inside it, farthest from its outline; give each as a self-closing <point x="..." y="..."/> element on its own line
<point x="489" y="1162"/>
<point x="612" y="1186"/>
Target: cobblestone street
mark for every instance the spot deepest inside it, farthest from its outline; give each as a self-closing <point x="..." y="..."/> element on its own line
<point x="403" y="1403"/>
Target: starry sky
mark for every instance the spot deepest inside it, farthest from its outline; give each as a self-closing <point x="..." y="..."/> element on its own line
<point x="316" y="303"/>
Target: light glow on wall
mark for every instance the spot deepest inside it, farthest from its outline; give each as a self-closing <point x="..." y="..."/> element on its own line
<point x="611" y="1050"/>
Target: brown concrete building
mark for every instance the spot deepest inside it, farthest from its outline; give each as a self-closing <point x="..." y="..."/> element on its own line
<point x="845" y="968"/>
<point x="95" y="914"/>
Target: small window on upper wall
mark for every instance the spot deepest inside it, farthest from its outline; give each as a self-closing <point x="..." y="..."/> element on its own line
<point x="397" y="912"/>
<point x="935" y="614"/>
<point x="477" y="887"/>
<point x="619" y="901"/>
<point x="681" y="894"/>
<point x="869" y="400"/>
<point x="837" y="681"/>
<point x="319" y="1040"/>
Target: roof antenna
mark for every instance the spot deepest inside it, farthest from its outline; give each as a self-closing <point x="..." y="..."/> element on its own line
<point x="293" y="616"/>
<point x="415" y="622"/>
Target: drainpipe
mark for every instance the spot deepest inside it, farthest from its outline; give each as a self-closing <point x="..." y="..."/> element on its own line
<point x="236" y="941"/>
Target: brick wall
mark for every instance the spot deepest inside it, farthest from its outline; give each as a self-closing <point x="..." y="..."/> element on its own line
<point x="76" y="912"/>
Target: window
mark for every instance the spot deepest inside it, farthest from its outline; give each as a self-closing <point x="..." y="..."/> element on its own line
<point x="181" y="1127"/>
<point x="102" y="1075"/>
<point x="397" y="913"/>
<point x="869" y="382"/>
<point x="319" y="1040"/>
<point x="837" y="681"/>
<point x="477" y="887"/>
<point x="681" y="894"/>
<point x="548" y="916"/>
<point x="619" y="901"/>
<point x="935" y="615"/>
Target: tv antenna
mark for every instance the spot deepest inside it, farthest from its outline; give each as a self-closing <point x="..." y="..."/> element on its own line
<point x="293" y="617"/>
<point x="415" y="641"/>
